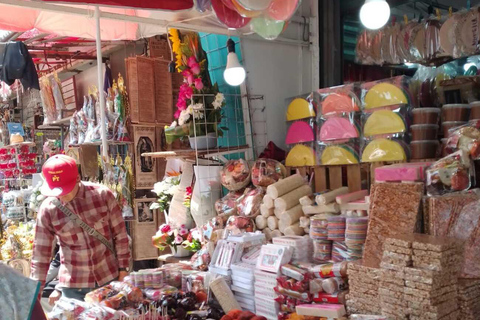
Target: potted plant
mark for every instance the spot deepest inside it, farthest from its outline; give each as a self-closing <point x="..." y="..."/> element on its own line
<point x="199" y="105"/>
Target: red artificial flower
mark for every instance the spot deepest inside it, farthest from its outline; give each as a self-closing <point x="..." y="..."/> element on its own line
<point x="165" y="228"/>
<point x="188" y="190"/>
<point x="177" y="113"/>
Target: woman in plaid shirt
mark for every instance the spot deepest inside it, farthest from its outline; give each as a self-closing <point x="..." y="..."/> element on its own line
<point x="86" y="262"/>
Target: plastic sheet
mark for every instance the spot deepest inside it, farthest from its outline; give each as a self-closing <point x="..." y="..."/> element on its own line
<point x="266" y="172"/>
<point x="449" y="174"/>
<point x="235" y="174"/>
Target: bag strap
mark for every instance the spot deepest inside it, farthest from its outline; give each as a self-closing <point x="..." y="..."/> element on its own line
<point x="78" y="221"/>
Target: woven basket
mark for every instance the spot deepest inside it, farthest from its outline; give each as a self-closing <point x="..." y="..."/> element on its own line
<point x="141" y="89"/>
<point x="224" y="295"/>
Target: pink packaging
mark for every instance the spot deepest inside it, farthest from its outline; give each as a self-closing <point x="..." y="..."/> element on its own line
<point x="414" y="171"/>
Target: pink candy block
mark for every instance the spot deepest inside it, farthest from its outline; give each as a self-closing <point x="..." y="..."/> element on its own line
<point x="298" y="132"/>
<point x="402" y="172"/>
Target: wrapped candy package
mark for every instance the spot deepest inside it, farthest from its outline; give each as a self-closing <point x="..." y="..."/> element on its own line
<point x="227" y="205"/>
<point x="248" y="205"/>
<point x="449" y="174"/>
<point x="235" y="174"/>
<point x="266" y="172"/>
<point x="466" y="138"/>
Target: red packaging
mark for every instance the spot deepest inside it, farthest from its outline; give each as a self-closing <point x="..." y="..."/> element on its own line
<point x="336" y="298"/>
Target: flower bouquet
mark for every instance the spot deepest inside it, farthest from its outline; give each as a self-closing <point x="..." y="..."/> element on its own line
<point x="199" y="104"/>
<point x="168" y="236"/>
<point x="164" y="191"/>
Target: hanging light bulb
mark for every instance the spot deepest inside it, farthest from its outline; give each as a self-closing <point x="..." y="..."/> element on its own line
<point x="234" y="73"/>
<point x="374" y="14"/>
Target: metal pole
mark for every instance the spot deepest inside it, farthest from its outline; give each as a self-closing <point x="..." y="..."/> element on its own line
<point x="101" y="94"/>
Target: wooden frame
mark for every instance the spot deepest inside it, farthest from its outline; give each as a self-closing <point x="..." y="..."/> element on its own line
<point x="143" y="230"/>
<point x="146" y="173"/>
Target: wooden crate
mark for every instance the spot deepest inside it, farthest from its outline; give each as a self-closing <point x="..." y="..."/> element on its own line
<point x="141" y="89"/>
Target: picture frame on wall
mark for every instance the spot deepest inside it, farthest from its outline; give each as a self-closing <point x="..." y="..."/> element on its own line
<point x="146" y="173"/>
<point x="144" y="227"/>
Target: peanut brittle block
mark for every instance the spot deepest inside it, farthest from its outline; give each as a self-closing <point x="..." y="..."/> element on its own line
<point x="397" y="249"/>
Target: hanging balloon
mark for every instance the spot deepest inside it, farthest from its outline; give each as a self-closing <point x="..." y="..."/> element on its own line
<point x="203" y="5"/>
<point x="228" y="4"/>
<point x="255" y="5"/>
<point x="282" y="10"/>
<point x="244" y="12"/>
<point x="228" y="17"/>
<point x="267" y="28"/>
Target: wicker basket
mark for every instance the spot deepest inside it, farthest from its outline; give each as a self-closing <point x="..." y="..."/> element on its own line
<point x="224" y="295"/>
<point x="166" y="91"/>
<point x="141" y="89"/>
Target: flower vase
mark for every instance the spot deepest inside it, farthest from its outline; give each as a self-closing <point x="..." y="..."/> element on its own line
<point x="181" y="252"/>
<point x="209" y="141"/>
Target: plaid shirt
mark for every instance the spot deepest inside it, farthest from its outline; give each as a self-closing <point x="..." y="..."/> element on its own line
<point x="85" y="261"/>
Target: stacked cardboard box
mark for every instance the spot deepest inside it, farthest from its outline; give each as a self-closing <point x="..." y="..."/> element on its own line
<point x="363" y="283"/>
<point x="469" y="299"/>
<point x="419" y="278"/>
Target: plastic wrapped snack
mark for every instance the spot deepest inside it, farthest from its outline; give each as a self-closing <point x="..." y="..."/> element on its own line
<point x="338" y="153"/>
<point x="66" y="309"/>
<point x="248" y="204"/>
<point x="266" y="172"/>
<point x="237" y="225"/>
<point x="300" y="131"/>
<point x="116" y="302"/>
<point x="384" y="150"/>
<point x="157" y="294"/>
<point x="388" y="92"/>
<point x="235" y="174"/>
<point x="228" y="204"/>
<point x="466" y="138"/>
<point x="134" y="294"/>
<point x="449" y="174"/>
<point x="100" y="294"/>
<point x="338" y="100"/>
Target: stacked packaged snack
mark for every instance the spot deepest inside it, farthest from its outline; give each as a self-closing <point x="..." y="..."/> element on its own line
<point x="338" y="123"/>
<point x="387" y="106"/>
<point x="301" y="113"/>
<point x="330" y="283"/>
<point x="243" y="285"/>
<point x="266" y="172"/>
<point x="292" y="288"/>
<point x="235" y="175"/>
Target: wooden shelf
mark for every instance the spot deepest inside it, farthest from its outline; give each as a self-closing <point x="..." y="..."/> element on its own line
<point x="59" y="123"/>
<point x="19" y="145"/>
<point x="190" y="153"/>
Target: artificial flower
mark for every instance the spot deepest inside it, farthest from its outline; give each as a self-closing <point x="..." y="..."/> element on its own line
<point x="174" y="123"/>
<point x="177" y="113"/>
<point x="178" y="240"/>
<point x="198" y="84"/>
<point x="190" y="109"/>
<point x="216" y="104"/>
<point x="183" y="232"/>
<point x="181" y="103"/>
<point x="196" y="69"/>
<point x="164" y="228"/>
<point x="192" y="61"/>
<point x="220" y="97"/>
<point x="190" y="79"/>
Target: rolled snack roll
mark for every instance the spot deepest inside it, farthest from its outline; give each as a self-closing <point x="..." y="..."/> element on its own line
<point x="284" y="186"/>
<point x="304" y="221"/>
<point x="307" y="200"/>
<point x="268" y="201"/>
<point x="261" y="222"/>
<point x="292" y="215"/>
<point x="282" y="225"/>
<point x="294" y="230"/>
<point x="266" y="212"/>
<point x="290" y="199"/>
<point x="329" y="197"/>
<point x="278" y="212"/>
<point x="324" y="208"/>
<point x="307" y="230"/>
<point x="353" y="196"/>
<point x="272" y="222"/>
<point x="268" y="234"/>
<point x="276" y="233"/>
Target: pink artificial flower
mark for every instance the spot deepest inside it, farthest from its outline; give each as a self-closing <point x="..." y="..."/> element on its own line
<point x="190" y="79"/>
<point x="188" y="92"/>
<point x="177" y="113"/>
<point x="192" y="61"/>
<point x="196" y="69"/>
<point x="178" y="239"/>
<point x="181" y="104"/>
<point x="164" y="228"/>
<point x="199" y="84"/>
<point x="183" y="232"/>
<point x="183" y="226"/>
<point x="186" y="73"/>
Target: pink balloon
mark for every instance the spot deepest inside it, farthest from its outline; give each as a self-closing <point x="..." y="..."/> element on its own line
<point x="228" y="17"/>
<point x="282" y="10"/>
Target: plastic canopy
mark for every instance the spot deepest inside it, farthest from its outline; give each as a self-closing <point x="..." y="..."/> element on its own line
<point x="117" y="23"/>
<point x="141" y="4"/>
